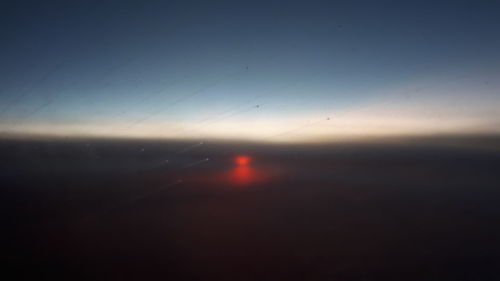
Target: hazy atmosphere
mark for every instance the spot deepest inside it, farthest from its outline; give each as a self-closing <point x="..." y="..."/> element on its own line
<point x="249" y="70"/>
<point x="250" y="140"/>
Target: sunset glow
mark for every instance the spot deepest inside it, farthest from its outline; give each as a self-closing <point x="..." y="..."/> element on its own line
<point x="242" y="160"/>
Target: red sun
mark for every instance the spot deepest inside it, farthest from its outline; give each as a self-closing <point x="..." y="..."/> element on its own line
<point x="242" y="160"/>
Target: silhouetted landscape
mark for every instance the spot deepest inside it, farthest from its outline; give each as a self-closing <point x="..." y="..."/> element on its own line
<point x="247" y="140"/>
<point x="144" y="210"/>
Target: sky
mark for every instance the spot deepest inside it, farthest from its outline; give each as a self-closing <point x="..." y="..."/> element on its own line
<point x="283" y="71"/>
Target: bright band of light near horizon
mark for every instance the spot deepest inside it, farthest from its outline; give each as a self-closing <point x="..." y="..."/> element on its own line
<point x="294" y="72"/>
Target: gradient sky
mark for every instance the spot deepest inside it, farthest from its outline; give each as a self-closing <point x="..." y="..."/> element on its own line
<point x="253" y="70"/>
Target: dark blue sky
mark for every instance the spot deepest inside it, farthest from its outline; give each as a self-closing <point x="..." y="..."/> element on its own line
<point x="265" y="70"/>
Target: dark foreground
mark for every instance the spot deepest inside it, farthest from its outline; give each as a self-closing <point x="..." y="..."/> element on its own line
<point x="84" y="210"/>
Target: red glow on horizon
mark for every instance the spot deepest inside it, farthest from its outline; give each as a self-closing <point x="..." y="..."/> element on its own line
<point x="243" y="175"/>
<point x="242" y="160"/>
